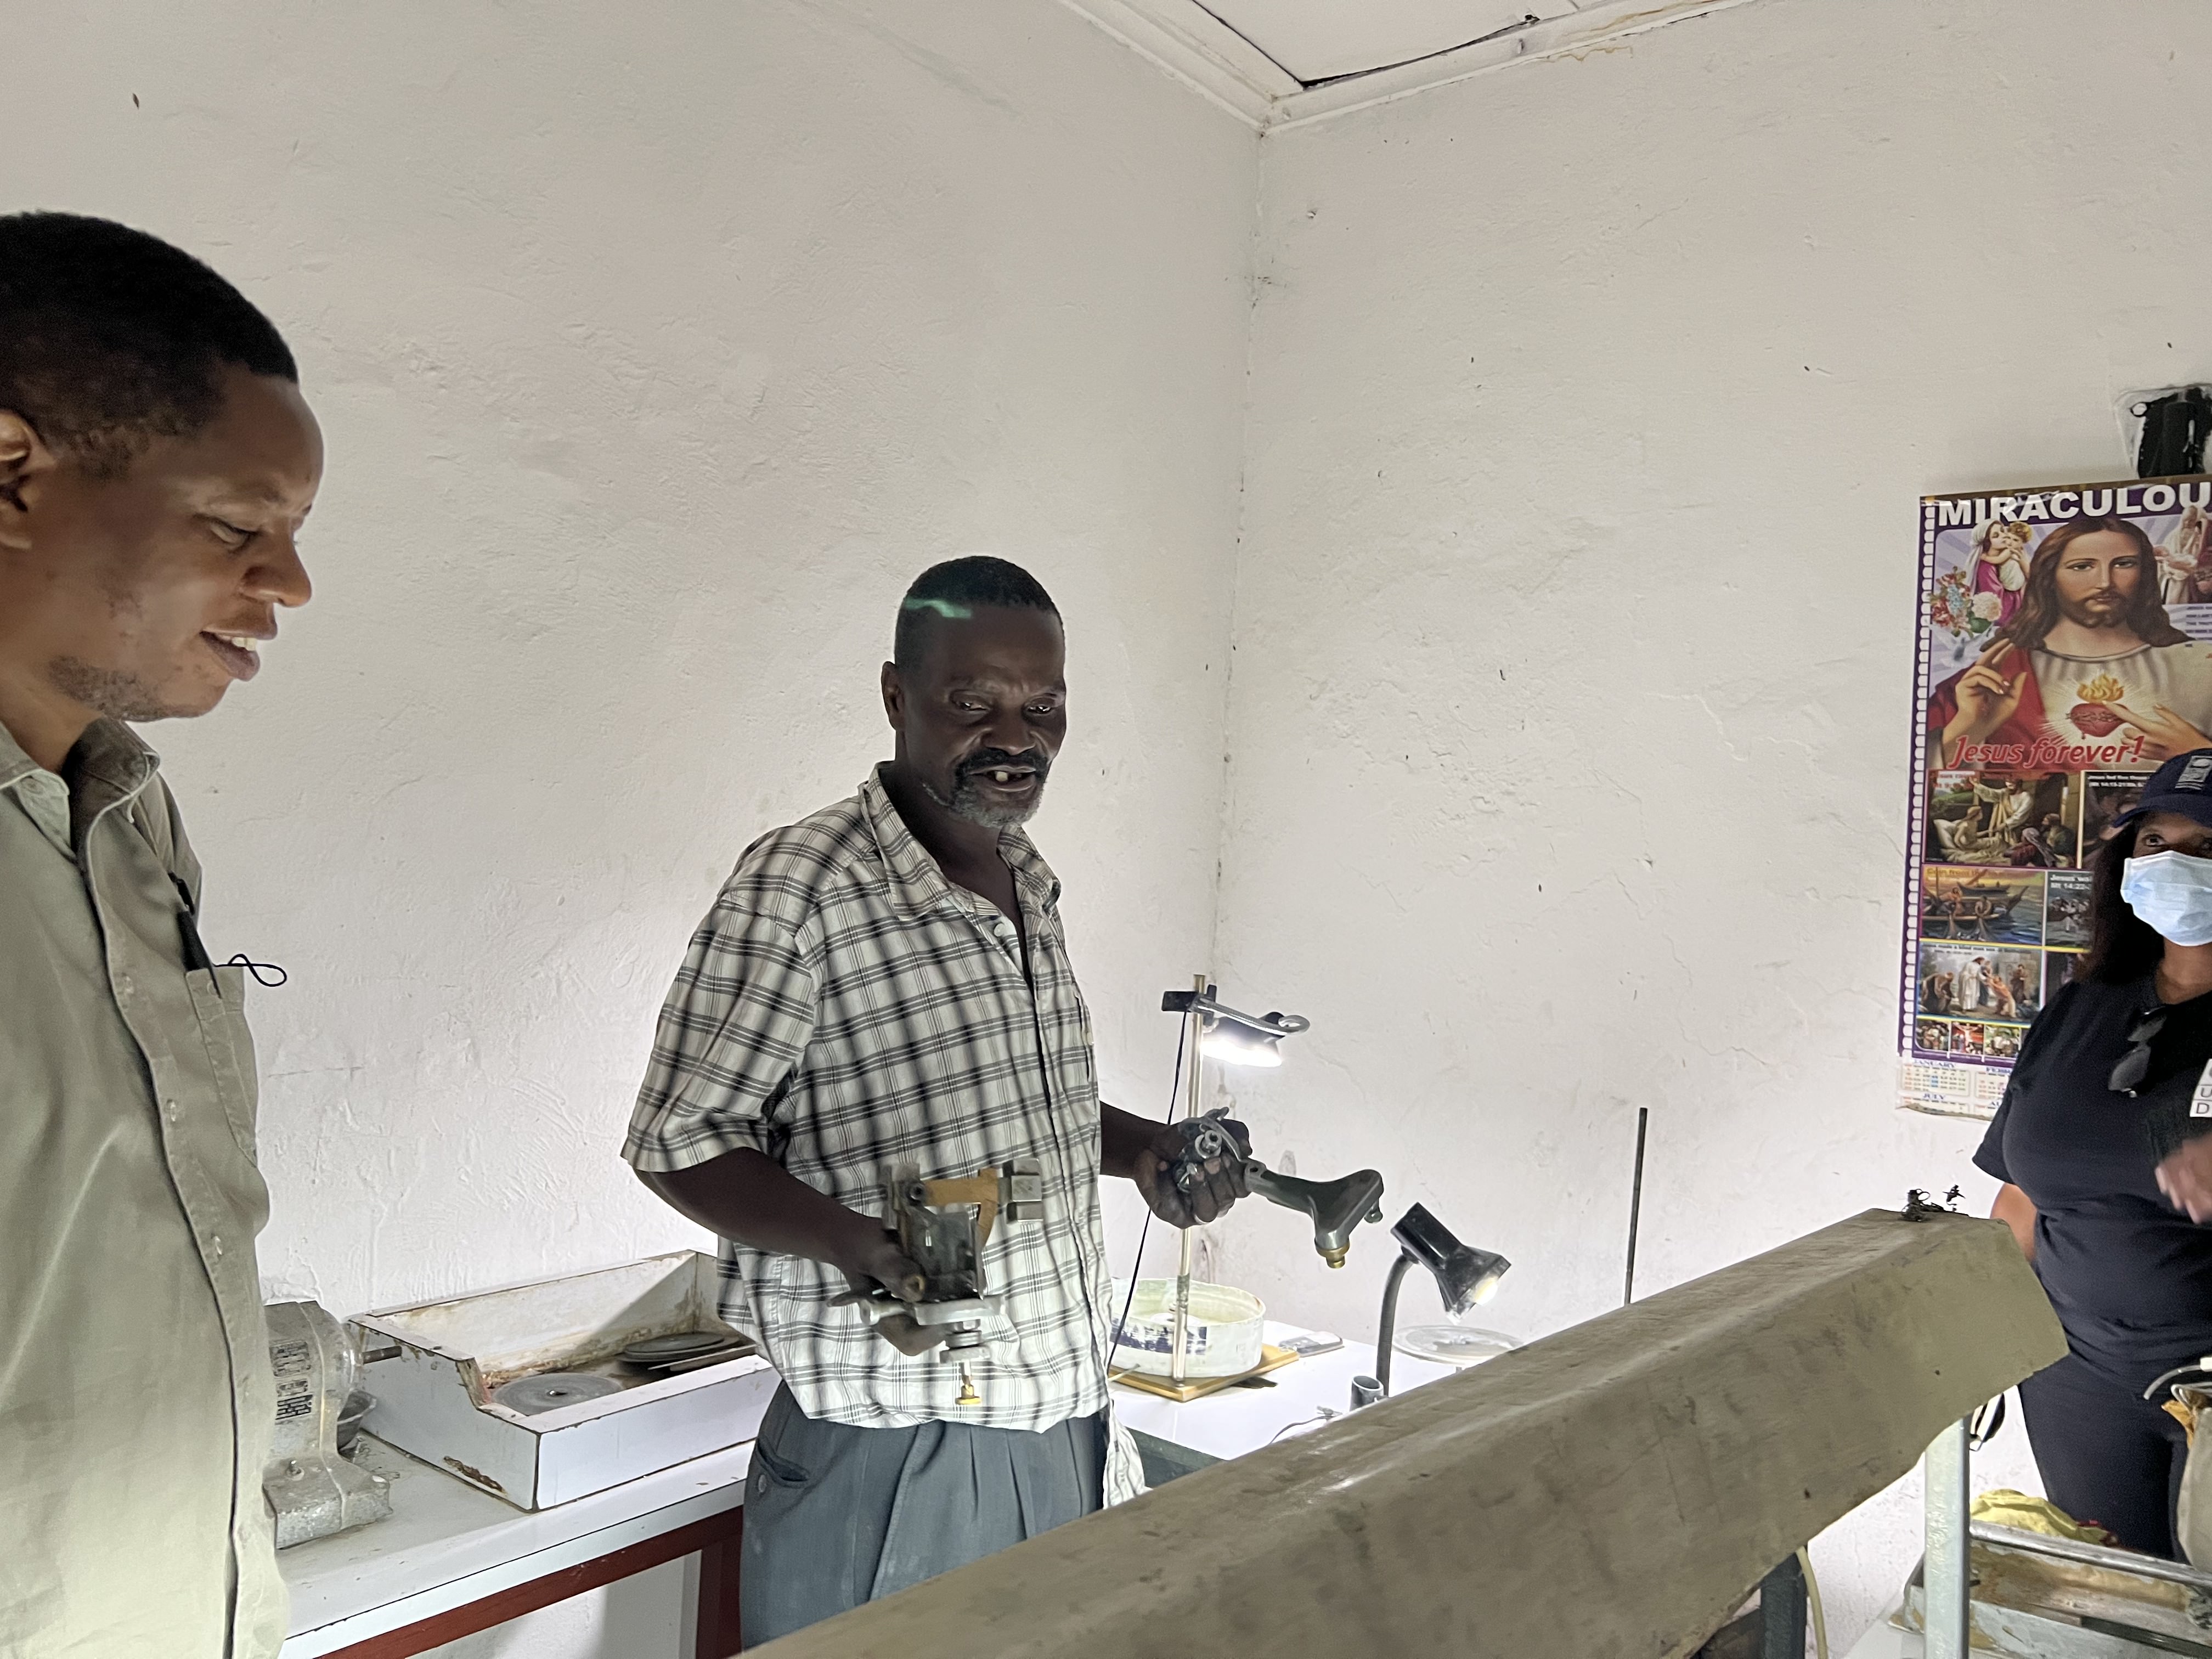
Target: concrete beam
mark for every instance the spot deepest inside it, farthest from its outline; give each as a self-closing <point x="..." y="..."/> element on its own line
<point x="1609" y="1492"/>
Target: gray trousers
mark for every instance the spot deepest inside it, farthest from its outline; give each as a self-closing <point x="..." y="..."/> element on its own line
<point x="836" y="1515"/>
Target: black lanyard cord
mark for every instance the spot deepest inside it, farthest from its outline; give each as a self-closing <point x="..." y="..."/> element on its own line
<point x="195" y="950"/>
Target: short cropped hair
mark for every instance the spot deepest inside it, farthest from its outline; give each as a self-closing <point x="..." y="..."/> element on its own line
<point x="110" y="338"/>
<point x="954" y="590"/>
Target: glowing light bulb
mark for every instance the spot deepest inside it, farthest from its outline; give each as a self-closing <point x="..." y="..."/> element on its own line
<point x="1239" y="1045"/>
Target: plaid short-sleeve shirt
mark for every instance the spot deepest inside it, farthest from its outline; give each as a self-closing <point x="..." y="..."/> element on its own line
<point x="844" y="1007"/>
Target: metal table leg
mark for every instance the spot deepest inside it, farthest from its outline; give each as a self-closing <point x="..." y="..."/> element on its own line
<point x="1782" y="1612"/>
<point x="1947" y="1578"/>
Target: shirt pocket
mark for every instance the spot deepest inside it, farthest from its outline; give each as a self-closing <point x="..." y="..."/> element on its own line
<point x="1077" y="1068"/>
<point x="219" y="1000"/>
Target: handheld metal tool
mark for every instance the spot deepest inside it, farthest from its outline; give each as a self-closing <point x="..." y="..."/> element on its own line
<point x="942" y="1228"/>
<point x="1334" y="1206"/>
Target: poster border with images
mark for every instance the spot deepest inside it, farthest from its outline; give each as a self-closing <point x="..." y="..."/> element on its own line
<point x="1970" y="1085"/>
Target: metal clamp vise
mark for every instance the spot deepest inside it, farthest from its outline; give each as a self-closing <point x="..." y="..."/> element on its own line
<point x="942" y="1227"/>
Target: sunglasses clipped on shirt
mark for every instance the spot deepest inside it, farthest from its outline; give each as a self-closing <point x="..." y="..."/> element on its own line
<point x="2129" y="1070"/>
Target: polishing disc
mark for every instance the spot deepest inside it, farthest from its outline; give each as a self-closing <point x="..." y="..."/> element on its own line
<point x="685" y="1344"/>
<point x="550" y="1390"/>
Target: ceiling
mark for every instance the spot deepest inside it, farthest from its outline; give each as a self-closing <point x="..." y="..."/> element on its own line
<point x="1277" y="64"/>
<point x="1320" y="39"/>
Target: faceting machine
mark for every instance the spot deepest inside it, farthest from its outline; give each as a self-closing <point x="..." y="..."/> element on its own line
<point x="310" y="1486"/>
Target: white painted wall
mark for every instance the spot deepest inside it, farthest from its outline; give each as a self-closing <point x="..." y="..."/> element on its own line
<point x="1589" y="403"/>
<point x="658" y="348"/>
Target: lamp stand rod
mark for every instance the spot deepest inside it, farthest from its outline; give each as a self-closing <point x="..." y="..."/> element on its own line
<point x="1635" y="1206"/>
<point x="1385" y="1331"/>
<point x="1182" y="1260"/>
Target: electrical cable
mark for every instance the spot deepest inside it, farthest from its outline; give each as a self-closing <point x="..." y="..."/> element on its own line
<point x="1527" y="20"/>
<point x="1067" y="1178"/>
<point x="1981" y="1427"/>
<point x="1137" y="1266"/>
<point x="1325" y="1415"/>
<point x="1812" y="1603"/>
<point x="1059" y="1146"/>
<point x="2165" y="1377"/>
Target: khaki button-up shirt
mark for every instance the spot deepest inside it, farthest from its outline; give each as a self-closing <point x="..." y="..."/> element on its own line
<point x="135" y="1403"/>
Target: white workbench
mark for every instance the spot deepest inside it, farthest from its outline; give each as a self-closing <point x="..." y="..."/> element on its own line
<point x="447" y="1545"/>
<point x="1241" y="1419"/>
<point x="1883" y="1640"/>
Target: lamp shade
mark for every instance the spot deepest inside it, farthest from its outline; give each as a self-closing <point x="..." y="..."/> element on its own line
<point x="1466" y="1276"/>
<point x="1240" y="1045"/>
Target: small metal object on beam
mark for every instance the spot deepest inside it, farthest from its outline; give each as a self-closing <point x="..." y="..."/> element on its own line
<point x="1609" y="1490"/>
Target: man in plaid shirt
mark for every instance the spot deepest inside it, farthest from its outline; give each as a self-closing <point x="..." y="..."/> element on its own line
<point x="886" y="982"/>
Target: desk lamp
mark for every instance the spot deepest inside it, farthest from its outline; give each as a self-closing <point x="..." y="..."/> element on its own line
<point x="1235" y="1038"/>
<point x="1465" y="1278"/>
<point x="1230" y="1034"/>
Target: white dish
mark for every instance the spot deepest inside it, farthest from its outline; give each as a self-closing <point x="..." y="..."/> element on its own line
<point x="1453" y="1345"/>
<point x="1221" y="1338"/>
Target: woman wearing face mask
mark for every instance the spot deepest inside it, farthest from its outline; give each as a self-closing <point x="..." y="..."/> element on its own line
<point x="2105" y="1181"/>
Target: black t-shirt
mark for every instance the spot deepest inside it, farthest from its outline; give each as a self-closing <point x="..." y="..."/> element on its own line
<point x="2130" y="1275"/>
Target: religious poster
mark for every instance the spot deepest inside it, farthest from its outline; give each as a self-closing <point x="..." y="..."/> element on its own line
<point x="2064" y="650"/>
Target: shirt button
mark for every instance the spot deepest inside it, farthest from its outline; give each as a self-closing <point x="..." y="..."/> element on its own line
<point x="215" y="1243"/>
<point x="169" y="1107"/>
<point x="123" y="984"/>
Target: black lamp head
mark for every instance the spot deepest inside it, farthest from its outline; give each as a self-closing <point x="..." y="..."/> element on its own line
<point x="1464" y="1276"/>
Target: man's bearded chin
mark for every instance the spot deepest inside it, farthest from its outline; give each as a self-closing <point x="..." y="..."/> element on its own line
<point x="2106" y="608"/>
<point x="114" y="692"/>
<point x="967" y="800"/>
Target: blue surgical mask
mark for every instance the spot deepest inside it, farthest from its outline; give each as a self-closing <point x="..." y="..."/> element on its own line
<point x="2171" y="891"/>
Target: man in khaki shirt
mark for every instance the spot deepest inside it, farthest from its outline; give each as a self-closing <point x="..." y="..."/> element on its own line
<point x="156" y="461"/>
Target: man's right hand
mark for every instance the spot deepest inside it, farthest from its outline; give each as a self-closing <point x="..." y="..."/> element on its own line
<point x="746" y="1196"/>
<point x="877" y="1264"/>
<point x="1988" y="697"/>
<point x="877" y="1269"/>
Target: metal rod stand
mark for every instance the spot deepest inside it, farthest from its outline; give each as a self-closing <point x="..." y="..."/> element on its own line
<point x="1947" y="1578"/>
<point x="1635" y="1206"/>
<point x="1181" y="1321"/>
<point x="1386" y="1331"/>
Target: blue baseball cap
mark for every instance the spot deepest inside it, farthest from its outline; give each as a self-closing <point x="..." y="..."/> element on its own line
<point x="2182" y="785"/>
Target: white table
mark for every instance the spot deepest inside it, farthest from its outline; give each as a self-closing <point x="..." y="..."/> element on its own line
<point x="1237" y="1420"/>
<point x="452" y="1560"/>
<point x="1883" y="1640"/>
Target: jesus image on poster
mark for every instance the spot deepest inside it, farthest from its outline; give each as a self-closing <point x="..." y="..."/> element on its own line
<point x="2088" y="660"/>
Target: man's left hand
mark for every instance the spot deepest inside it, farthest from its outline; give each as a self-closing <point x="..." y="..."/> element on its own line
<point x="1222" y="1186"/>
<point x="2185" y="1178"/>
